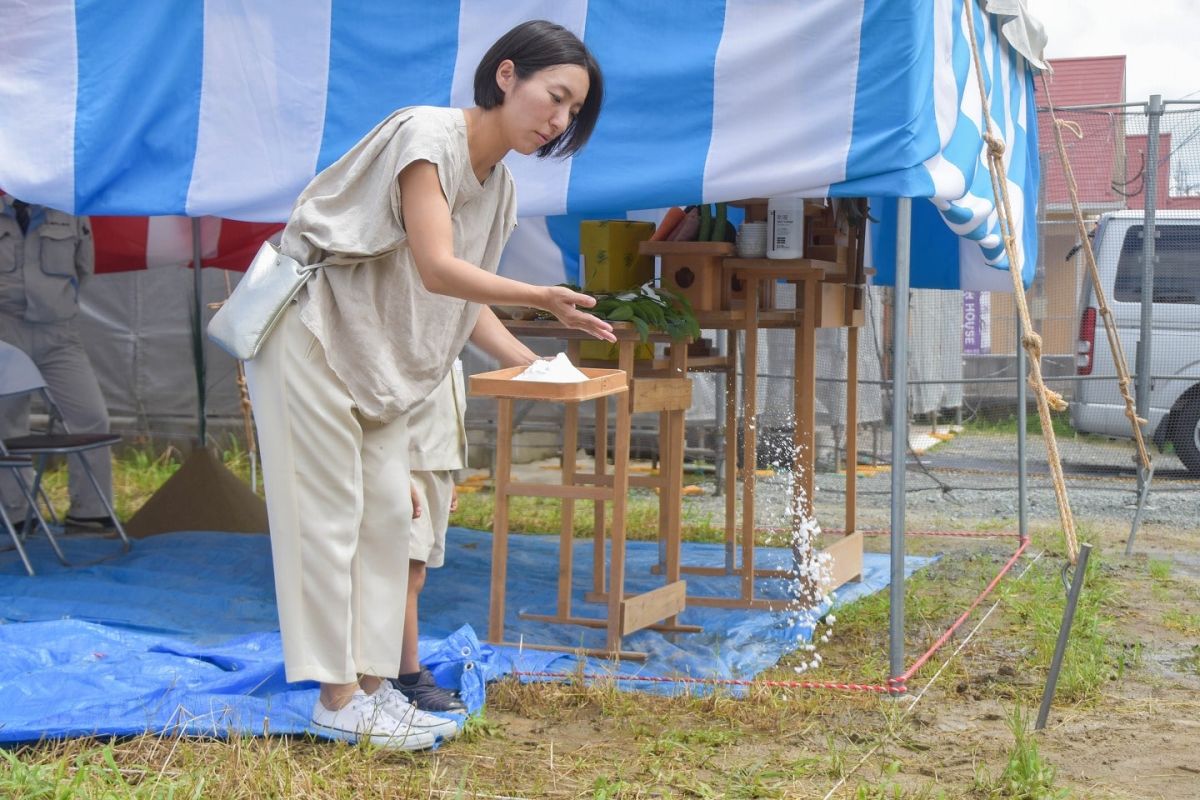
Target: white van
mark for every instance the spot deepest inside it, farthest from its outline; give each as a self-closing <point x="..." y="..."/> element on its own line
<point x="1174" y="414"/>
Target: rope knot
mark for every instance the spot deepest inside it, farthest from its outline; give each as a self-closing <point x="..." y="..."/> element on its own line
<point x="1133" y="417"/>
<point x="1032" y="343"/>
<point x="1072" y="126"/>
<point x="995" y="144"/>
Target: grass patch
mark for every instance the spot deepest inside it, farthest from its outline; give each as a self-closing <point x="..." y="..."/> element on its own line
<point x="1026" y="776"/>
<point x="860" y="633"/>
<point x="888" y="787"/>
<point x="1160" y="569"/>
<point x="138" y="473"/>
<point x="544" y="515"/>
<point x="1007" y="424"/>
<point x="1186" y="622"/>
<point x="1160" y="578"/>
<point x="93" y="773"/>
<point x="1035" y="605"/>
<point x="1192" y="661"/>
<point x="1024" y="628"/>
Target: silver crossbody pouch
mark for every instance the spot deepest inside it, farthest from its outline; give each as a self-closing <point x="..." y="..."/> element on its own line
<point x="257" y="303"/>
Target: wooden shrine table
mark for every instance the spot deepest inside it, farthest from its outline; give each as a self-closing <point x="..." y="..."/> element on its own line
<point x="823" y="300"/>
<point x="819" y="303"/>
<point x="667" y="392"/>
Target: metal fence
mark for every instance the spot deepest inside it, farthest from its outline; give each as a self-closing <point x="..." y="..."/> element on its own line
<point x="962" y="346"/>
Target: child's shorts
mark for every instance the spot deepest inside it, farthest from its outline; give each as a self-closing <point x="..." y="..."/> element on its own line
<point x="428" y="540"/>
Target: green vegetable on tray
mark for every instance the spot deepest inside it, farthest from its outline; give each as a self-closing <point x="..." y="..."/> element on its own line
<point x="648" y="308"/>
<point x="714" y="227"/>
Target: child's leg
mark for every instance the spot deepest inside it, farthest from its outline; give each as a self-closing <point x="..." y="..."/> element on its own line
<point x="427" y="546"/>
<point x="409" y="662"/>
<point x="421" y="544"/>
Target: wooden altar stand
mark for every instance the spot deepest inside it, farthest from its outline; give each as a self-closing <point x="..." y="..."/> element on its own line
<point x="737" y="295"/>
<point x="626" y="613"/>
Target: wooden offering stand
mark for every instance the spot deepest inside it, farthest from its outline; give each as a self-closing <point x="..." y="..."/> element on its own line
<point x="625" y="613"/>
<point x="829" y="293"/>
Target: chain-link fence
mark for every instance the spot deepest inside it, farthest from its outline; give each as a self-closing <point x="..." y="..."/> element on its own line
<point x="963" y="371"/>
<point x="1119" y="172"/>
<point x="963" y="368"/>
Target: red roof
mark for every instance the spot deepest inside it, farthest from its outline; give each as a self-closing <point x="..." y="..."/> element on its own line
<point x="1097" y="157"/>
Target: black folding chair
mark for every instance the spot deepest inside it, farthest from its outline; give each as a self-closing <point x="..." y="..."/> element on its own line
<point x="16" y="465"/>
<point x="18" y="376"/>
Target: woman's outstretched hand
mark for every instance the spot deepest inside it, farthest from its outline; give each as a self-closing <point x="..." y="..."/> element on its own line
<point x="564" y="304"/>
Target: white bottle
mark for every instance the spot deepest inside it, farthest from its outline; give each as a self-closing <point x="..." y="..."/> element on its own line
<point x="785" y="227"/>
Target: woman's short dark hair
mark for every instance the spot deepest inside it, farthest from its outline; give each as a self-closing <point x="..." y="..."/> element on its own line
<point x="533" y="46"/>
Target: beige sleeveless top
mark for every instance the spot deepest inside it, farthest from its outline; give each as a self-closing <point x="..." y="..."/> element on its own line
<point x="388" y="339"/>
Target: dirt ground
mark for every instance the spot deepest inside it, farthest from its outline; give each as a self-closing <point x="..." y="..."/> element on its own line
<point x="1125" y="722"/>
<point x="1134" y="734"/>
<point x="1142" y="736"/>
<point x="1139" y="736"/>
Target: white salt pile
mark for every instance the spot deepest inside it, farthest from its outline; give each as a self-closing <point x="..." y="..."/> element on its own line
<point x="557" y="370"/>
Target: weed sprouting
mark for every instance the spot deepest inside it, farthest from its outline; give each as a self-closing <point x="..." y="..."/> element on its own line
<point x="1026" y="776"/>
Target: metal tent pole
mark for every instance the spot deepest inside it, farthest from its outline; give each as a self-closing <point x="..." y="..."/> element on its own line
<point x="899" y="433"/>
<point x="1064" y="633"/>
<point x="1022" y="413"/>
<point x="198" y="334"/>
<point x="1154" y="112"/>
<point x="1145" y="338"/>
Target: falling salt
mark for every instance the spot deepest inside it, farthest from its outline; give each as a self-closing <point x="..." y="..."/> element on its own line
<point x="811" y="568"/>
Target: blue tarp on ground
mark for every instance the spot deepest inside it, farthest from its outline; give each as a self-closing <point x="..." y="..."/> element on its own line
<point x="181" y="633"/>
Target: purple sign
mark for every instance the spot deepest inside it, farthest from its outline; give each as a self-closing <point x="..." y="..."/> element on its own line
<point x="976" y="319"/>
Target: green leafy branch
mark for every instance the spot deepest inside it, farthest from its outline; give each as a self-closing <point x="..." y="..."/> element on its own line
<point x="648" y="308"/>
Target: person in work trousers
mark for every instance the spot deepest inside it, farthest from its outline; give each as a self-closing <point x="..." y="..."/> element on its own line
<point x="45" y="258"/>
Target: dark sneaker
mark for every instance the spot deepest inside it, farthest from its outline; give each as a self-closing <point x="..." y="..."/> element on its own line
<point x="425" y="694"/>
<point x="89" y="524"/>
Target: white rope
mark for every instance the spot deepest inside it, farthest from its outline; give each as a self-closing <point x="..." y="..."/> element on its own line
<point x="966" y="640"/>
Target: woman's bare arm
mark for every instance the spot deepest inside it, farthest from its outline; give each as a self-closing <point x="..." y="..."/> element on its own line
<point x="426" y="218"/>
<point x="493" y="338"/>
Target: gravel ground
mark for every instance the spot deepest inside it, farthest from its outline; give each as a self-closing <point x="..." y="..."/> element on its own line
<point x="971" y="480"/>
<point x="967" y="482"/>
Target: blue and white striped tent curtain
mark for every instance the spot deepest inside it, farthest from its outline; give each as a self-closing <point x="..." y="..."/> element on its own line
<point x="228" y="107"/>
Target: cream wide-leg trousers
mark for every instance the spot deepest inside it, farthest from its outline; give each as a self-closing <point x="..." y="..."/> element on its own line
<point x="339" y="509"/>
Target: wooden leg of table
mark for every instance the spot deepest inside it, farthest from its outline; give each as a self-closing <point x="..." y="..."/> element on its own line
<point x="663" y="484"/>
<point x="805" y="352"/>
<point x="679" y="369"/>
<point x="504" y="434"/>
<point x="566" y="539"/>
<point x="851" y="430"/>
<point x="730" y="433"/>
<point x="749" y="437"/>
<point x="616" y="588"/>
<point x="598" y="567"/>
<point x="673" y="493"/>
<point x="803" y="407"/>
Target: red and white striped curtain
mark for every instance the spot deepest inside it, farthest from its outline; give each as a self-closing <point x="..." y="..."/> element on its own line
<point x="125" y="244"/>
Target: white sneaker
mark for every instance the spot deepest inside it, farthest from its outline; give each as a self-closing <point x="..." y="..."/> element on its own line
<point x="393" y="701"/>
<point x="364" y="718"/>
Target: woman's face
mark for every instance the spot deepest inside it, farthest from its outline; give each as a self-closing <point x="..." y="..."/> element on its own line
<point x="539" y="108"/>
